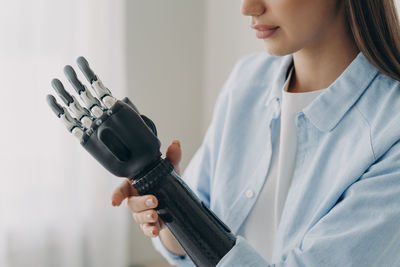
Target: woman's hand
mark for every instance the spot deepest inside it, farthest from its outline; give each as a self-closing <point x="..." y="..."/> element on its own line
<point x="142" y="207"/>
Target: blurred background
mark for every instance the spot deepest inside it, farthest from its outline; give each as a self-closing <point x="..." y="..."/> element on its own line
<point x="170" y="57"/>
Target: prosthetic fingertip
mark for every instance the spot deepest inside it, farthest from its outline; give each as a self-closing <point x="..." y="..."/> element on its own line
<point x="70" y="72"/>
<point x="73" y="78"/>
<point x="87" y="71"/>
<point x="57" y="109"/>
<point x="56" y="83"/>
<point x="82" y="61"/>
<point x="64" y="95"/>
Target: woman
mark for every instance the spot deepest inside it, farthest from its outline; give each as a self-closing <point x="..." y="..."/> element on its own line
<point x="302" y="159"/>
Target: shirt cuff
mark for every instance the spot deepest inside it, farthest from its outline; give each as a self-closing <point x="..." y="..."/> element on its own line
<point x="242" y="254"/>
<point x="172" y="258"/>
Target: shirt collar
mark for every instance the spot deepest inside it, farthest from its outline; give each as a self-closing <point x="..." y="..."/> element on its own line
<point x="326" y="111"/>
<point x="279" y="80"/>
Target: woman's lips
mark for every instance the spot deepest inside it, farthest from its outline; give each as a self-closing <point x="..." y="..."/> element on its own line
<point x="264" y="31"/>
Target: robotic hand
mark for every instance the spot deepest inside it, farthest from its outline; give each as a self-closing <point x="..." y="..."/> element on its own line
<point x="126" y="144"/>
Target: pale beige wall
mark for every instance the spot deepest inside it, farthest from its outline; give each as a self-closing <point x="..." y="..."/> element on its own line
<point x="165" y="75"/>
<point x="227" y="38"/>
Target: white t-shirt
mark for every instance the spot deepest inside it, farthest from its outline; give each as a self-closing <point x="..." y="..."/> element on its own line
<point x="262" y="222"/>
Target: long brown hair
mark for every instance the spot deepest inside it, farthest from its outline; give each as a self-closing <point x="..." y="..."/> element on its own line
<point x="376" y="30"/>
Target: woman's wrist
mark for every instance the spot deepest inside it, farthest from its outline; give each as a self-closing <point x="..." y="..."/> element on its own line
<point x="170" y="242"/>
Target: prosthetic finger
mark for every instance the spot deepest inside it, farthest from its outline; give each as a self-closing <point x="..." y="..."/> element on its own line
<point x="77" y="110"/>
<point x="72" y="124"/>
<point x="83" y="64"/>
<point x="92" y="103"/>
<point x="102" y="92"/>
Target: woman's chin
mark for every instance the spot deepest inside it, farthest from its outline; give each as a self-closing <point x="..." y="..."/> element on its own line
<point x="275" y="49"/>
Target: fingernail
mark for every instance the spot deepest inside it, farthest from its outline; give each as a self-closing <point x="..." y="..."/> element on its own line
<point x="149" y="216"/>
<point x="149" y="202"/>
<point x="176" y="142"/>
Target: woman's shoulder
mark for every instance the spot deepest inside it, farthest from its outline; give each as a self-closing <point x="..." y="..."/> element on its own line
<point x="380" y="107"/>
<point x="382" y="98"/>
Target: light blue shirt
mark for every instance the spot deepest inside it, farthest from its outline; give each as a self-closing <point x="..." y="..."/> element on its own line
<point x="343" y="205"/>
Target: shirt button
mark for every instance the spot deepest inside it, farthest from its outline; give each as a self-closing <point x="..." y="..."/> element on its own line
<point x="277" y="105"/>
<point x="249" y="193"/>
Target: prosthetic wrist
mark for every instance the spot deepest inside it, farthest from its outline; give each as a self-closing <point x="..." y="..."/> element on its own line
<point x="126" y="144"/>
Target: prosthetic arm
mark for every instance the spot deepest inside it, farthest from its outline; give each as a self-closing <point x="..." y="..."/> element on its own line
<point x="126" y="144"/>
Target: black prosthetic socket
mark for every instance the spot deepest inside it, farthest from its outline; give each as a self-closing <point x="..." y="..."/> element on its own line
<point x="202" y="235"/>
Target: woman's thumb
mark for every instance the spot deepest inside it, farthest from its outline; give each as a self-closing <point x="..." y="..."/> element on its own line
<point x="174" y="155"/>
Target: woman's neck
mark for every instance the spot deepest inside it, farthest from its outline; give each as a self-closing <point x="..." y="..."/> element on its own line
<point x="319" y="65"/>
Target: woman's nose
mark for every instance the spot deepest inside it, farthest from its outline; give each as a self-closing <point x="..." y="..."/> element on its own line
<point x="252" y="7"/>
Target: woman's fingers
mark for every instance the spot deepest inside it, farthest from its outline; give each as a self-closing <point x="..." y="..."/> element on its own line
<point x="142" y="207"/>
<point x="174" y="155"/>
<point x="124" y="190"/>
<point x="148" y="216"/>
<point x="142" y="203"/>
<point x="150" y="229"/>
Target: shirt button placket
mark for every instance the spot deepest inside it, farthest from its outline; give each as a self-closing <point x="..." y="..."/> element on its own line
<point x="277" y="108"/>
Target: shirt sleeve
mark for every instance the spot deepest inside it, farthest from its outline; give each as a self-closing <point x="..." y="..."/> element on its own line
<point x="362" y="229"/>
